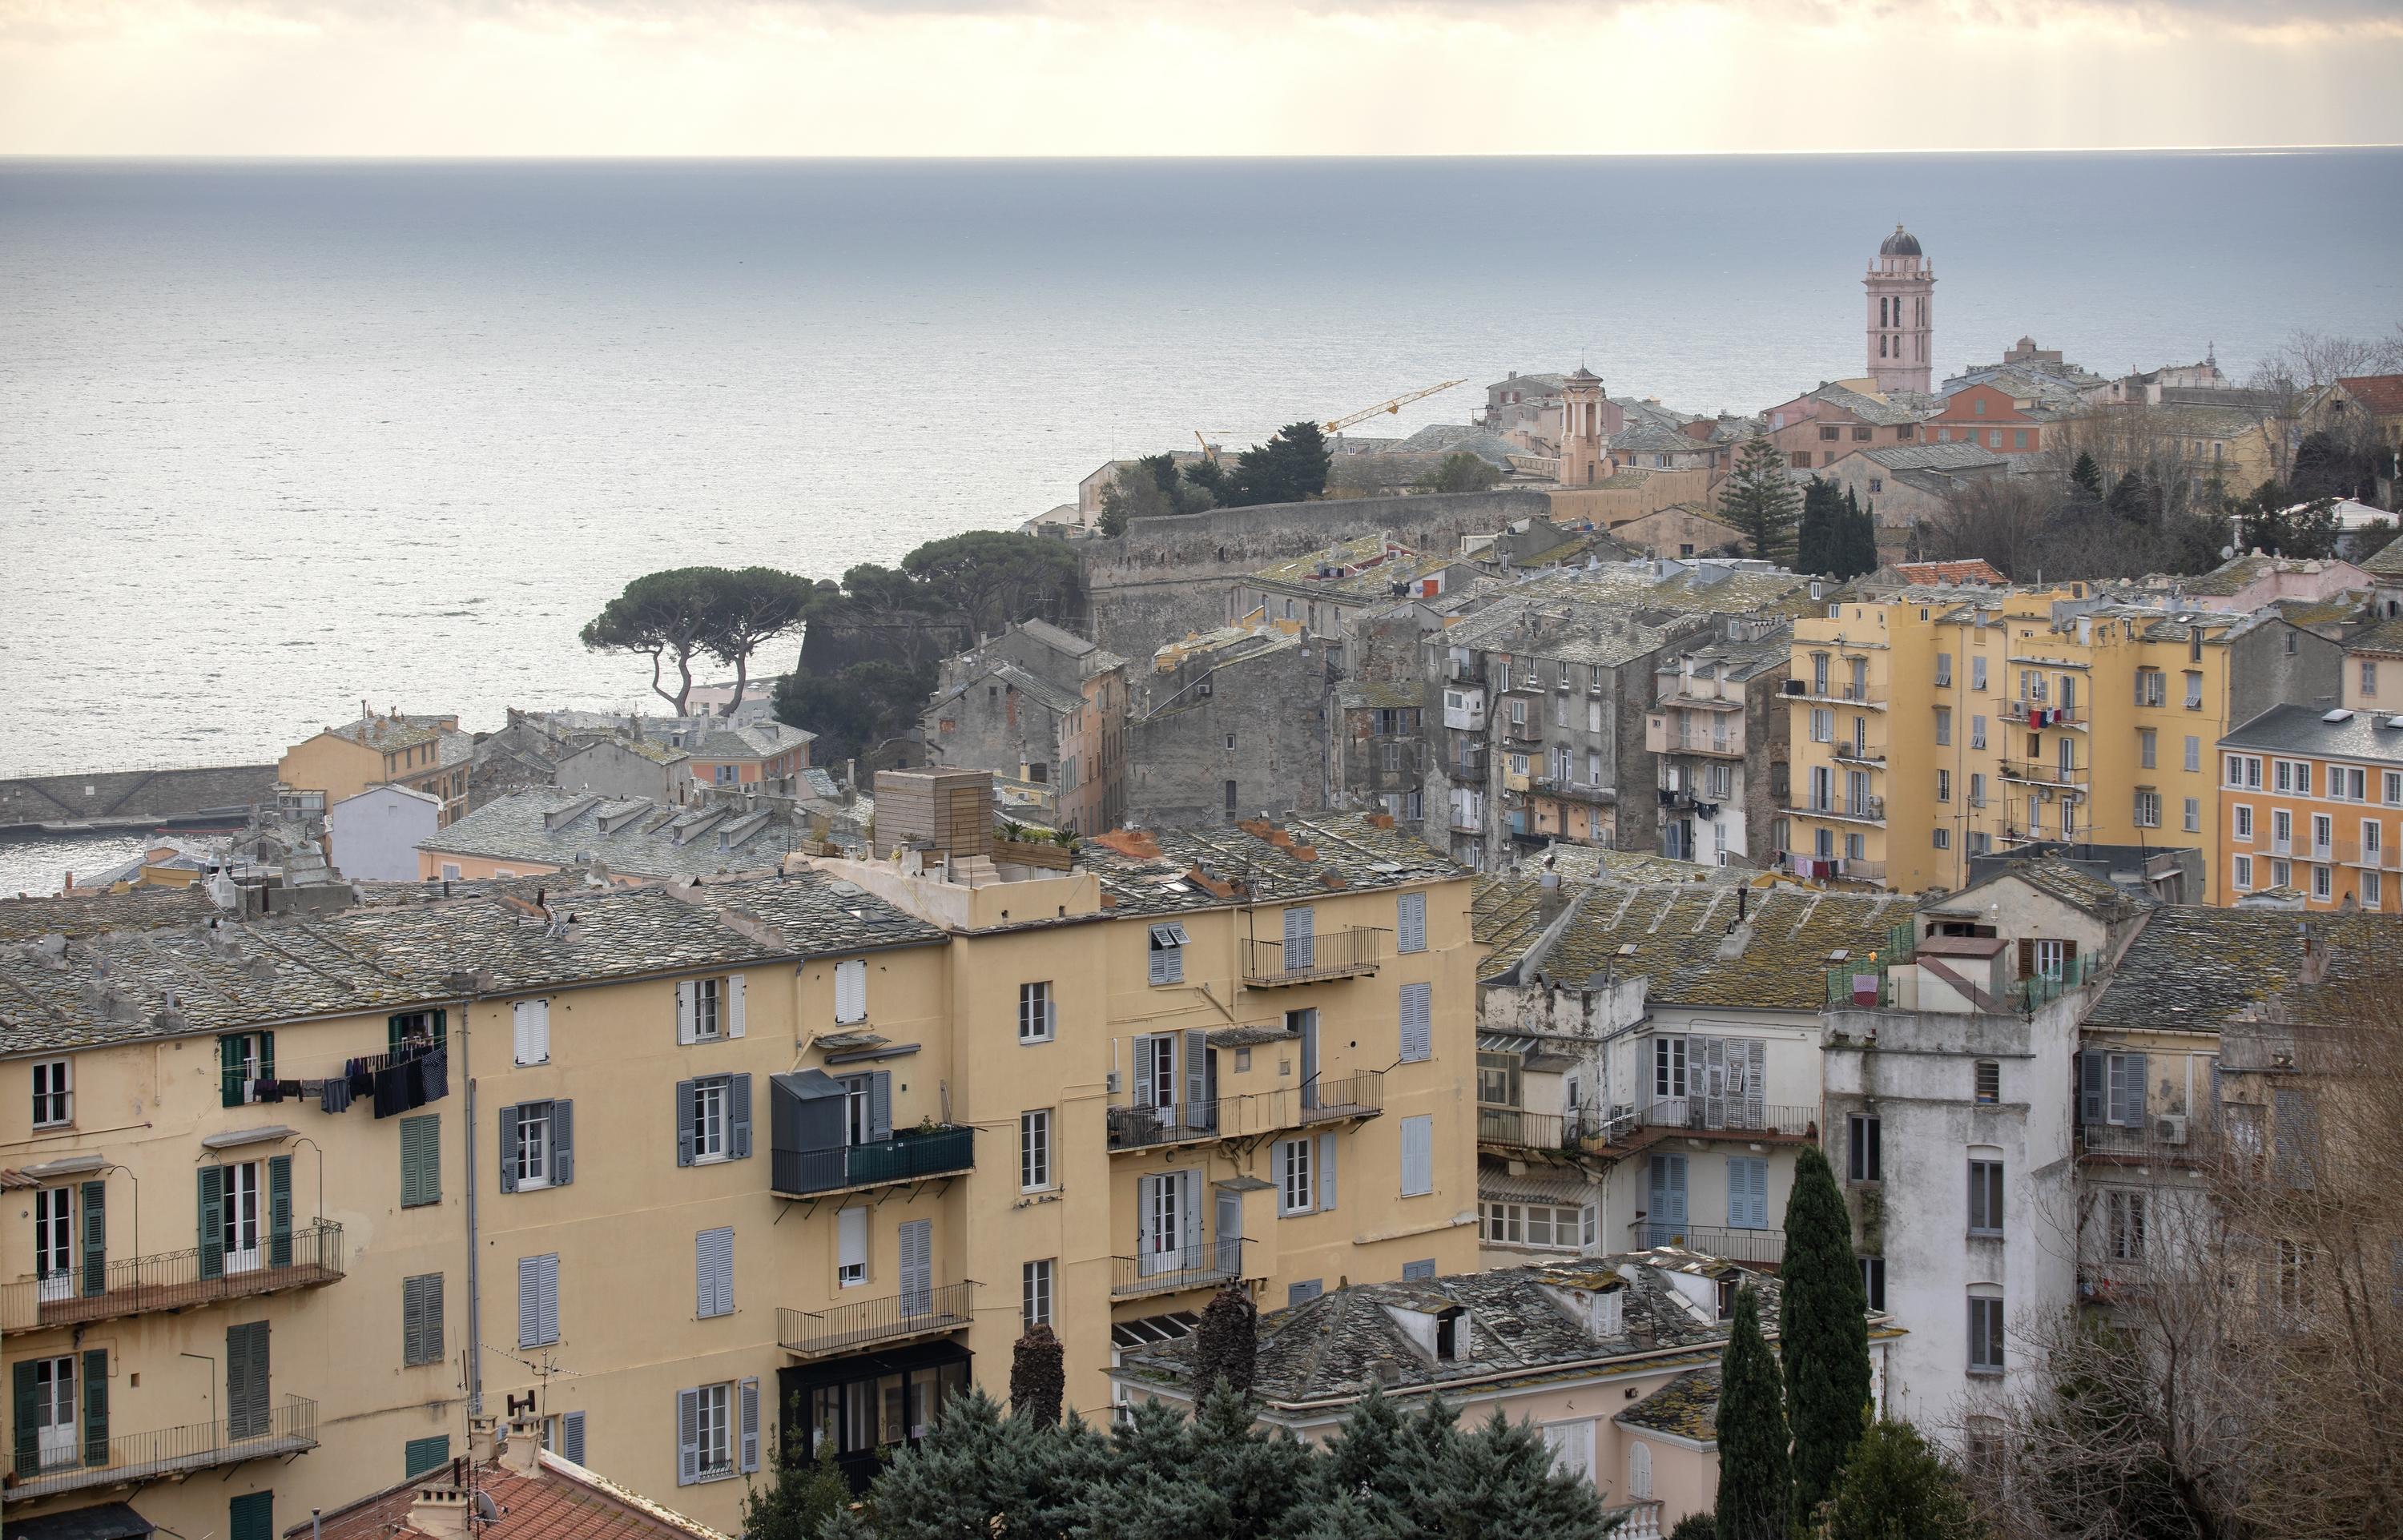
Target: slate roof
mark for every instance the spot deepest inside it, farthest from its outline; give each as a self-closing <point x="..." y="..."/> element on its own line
<point x="2304" y="730"/>
<point x="1366" y="567"/>
<point x="2074" y="886"/>
<point x="1505" y="914"/>
<point x="1050" y="697"/>
<point x="2385" y="636"/>
<point x="560" y="1502"/>
<point x="134" y="985"/>
<point x="1389" y="697"/>
<point x="1936" y="456"/>
<point x="2196" y="969"/>
<point x="642" y="748"/>
<point x="654" y="838"/>
<point x="1690" y="946"/>
<point x="2388" y="562"/>
<point x="1869" y="408"/>
<point x="1521" y="1326"/>
<point x="397" y="732"/>
<point x="1321" y="855"/>
<point x="1687" y="1406"/>
<point x="755" y="740"/>
<point x="136" y="909"/>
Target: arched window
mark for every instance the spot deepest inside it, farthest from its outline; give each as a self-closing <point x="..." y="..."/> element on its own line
<point x="1639" y="1471"/>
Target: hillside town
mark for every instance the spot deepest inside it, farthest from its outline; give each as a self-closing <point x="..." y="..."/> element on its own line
<point x="1543" y="916"/>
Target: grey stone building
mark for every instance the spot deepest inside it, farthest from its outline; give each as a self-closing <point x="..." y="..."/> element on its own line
<point x="1718" y="731"/>
<point x="1041" y="705"/>
<point x="1231" y="724"/>
<point x="627" y="767"/>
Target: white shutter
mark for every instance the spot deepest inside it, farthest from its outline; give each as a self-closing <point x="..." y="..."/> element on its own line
<point x="851" y="990"/>
<point x="734" y="1006"/>
<point x="851" y="1238"/>
<point x="1189" y="1213"/>
<point x="530" y="1030"/>
<point x="1301" y="942"/>
<point x="1418" y="1022"/>
<point x="750" y="1424"/>
<point x="1418" y="1156"/>
<point x="1327" y="1172"/>
<point x="686" y="1015"/>
<point x="1411" y="922"/>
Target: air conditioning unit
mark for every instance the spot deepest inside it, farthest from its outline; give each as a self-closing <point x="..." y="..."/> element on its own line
<point x="1111" y="1083"/>
<point x="1797" y="687"/>
<point x="2168" y="1129"/>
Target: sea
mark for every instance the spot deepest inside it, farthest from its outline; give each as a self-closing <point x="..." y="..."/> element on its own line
<point x="277" y="438"/>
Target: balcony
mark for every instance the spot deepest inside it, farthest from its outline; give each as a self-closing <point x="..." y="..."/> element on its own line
<point x="2162" y="1140"/>
<point x="1860" y="871"/>
<point x="2025" y="712"/>
<point x="172" y="1453"/>
<point x="171" y="1281"/>
<point x="1574" y="791"/>
<point x="1759" y="1248"/>
<point x="1661" y="737"/>
<point x="2028" y="772"/>
<point x="1856" y="809"/>
<point x="1638" y="1520"/>
<point x="1133" y="1127"/>
<point x="1509" y="1129"/>
<point x="1339" y="954"/>
<point x="1857" y="754"/>
<point x="1721" y="1118"/>
<point x="2350" y="852"/>
<point x="910" y="1157"/>
<point x="875" y="1322"/>
<point x="1206" y="1264"/>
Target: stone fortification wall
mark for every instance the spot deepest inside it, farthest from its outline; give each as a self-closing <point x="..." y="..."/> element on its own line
<point x="1167" y="576"/>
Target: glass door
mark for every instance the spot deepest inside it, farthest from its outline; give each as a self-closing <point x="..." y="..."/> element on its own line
<point x="54" y="1410"/>
<point x="242" y="1217"/>
<point x="54" y="1241"/>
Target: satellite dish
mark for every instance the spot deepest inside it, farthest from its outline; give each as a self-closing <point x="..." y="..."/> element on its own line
<point x="486" y="1509"/>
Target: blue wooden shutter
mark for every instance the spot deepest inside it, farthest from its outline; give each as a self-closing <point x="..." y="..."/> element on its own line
<point x="1418" y="1156"/>
<point x="750" y="1424"/>
<point x="563" y="1143"/>
<point x="1301" y="941"/>
<point x="279" y="1211"/>
<point x="684" y="1120"/>
<point x="1327" y="1172"/>
<point x="508" y="1149"/>
<point x="880" y="1105"/>
<point x="1145" y="1048"/>
<point x="714" y="1272"/>
<point x="529" y="1301"/>
<point x="1418" y="1022"/>
<point x="688" y="1437"/>
<point x="917" y="1267"/>
<point x="2092" y="1091"/>
<point x="95" y="1407"/>
<point x="571" y="1437"/>
<point x="1411" y="922"/>
<point x="95" y="1239"/>
<point x="1198" y="1109"/>
<point x="212" y="1221"/>
<point x="738" y="1117"/>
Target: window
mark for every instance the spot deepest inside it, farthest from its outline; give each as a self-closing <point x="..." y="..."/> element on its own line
<point x="1409" y="927"/>
<point x="2193" y="815"/>
<point x="1417" y="1018"/>
<point x="851" y="1248"/>
<point x="2149" y="808"/>
<point x="1987" y="1078"/>
<point x="2242" y="877"/>
<point x="1977" y="673"/>
<point x="1873" y="1281"/>
<point x="2193" y="753"/>
<point x="1864" y="1162"/>
<point x="708" y="1110"/>
<point x="1747" y="1188"/>
<point x="2194" y="690"/>
<point x="2124" y="1213"/>
<point x="708" y="1009"/>
<point x="2295" y="1259"/>
<point x="2152" y="688"/>
<point x="251" y="1517"/>
<point x="538" y="1301"/>
<point x="2243" y="819"/>
<point x="1230" y="798"/>
<point x="1986" y="1334"/>
<point x="1977" y="731"/>
<point x="2369" y="679"/>
<point x="1530" y="1224"/>
<point x="2148" y="748"/>
<point x="1818" y="673"/>
<point x="2372" y="894"/>
<point x="1977" y="787"/>
<point x="1418" y="1156"/>
<point x="1034" y="1150"/>
<point x="53" y="1094"/>
<point x="1035" y="1294"/>
<point x="1985" y="1198"/>
<point x="1944" y="723"/>
<point x="851" y="991"/>
<point x="712" y="1272"/>
<point x="449" y="871"/>
<point x="244" y="1060"/>
<point x="2394" y="784"/>
<point x="2348" y="784"/>
<point x="2244" y="772"/>
<point x="2323" y="884"/>
<point x="537" y="1145"/>
<point x="1823" y="725"/>
<point x="421" y="1319"/>
<point x="1941" y="839"/>
<point x="1668" y="1067"/>
<point x="1036" y="1018"/>
<point x="1296" y="1191"/>
<point x="420" y="1455"/>
<point x="1168" y="943"/>
<point x="1944" y="785"/>
<point x="1304" y="1292"/>
<point x="421" y="1160"/>
<point x="710" y="1447"/>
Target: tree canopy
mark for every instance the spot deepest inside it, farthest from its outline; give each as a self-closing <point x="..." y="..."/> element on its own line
<point x="1291" y="468"/>
<point x="722" y="611"/>
<point x="1762" y="500"/>
<point x="1147" y="489"/>
<point x="1822" y="1331"/>
<point x="1895" y="1487"/>
<point x="1755" y="1485"/>
<point x="1461" y="471"/>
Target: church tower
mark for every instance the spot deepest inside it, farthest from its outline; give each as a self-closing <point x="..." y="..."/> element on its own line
<point x="1583" y="433"/>
<point x="1902" y="315"/>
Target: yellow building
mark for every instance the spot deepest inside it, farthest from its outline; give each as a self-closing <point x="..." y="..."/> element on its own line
<point x="427" y="754"/>
<point x="694" y="1156"/>
<point x="1935" y="725"/>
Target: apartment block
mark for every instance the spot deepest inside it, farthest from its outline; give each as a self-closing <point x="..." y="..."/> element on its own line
<point x="2312" y="808"/>
<point x="1933" y="727"/>
<point x="673" y="1170"/>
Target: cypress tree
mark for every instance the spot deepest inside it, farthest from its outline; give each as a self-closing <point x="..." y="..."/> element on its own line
<point x="1761" y="499"/>
<point x="1038" y="1376"/>
<point x="1755" y="1480"/>
<point x="2127" y="499"/>
<point x="1822" y="1333"/>
<point x="1856" y="544"/>
<point x="1814" y="540"/>
<point x="1226" y="1345"/>
<point x="1897" y="1488"/>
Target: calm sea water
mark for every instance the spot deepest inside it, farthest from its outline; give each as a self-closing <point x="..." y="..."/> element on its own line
<point x="276" y="438"/>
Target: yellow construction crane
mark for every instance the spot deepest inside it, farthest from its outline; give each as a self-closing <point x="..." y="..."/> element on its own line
<point x="1388" y="408"/>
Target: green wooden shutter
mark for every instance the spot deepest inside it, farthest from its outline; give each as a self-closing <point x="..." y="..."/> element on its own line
<point x="267" y="1056"/>
<point x="95" y="1407"/>
<point x="253" y="1516"/>
<point x="28" y="1405"/>
<point x="212" y="1221"/>
<point x="393" y="1032"/>
<point x="426" y="1454"/>
<point x="441" y="1036"/>
<point x="95" y="1239"/>
<point x="421" y="1160"/>
<point x="279" y="1211"/>
<point x="230" y="1087"/>
<point x="246" y="1399"/>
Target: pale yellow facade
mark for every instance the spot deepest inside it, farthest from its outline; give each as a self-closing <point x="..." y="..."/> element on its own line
<point x="618" y="1224"/>
<point x="1928" y="730"/>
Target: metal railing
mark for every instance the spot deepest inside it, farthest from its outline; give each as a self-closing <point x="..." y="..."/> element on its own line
<point x="2067" y="716"/>
<point x="288" y="1429"/>
<point x="904" y="1157"/>
<point x="1516" y="1128"/>
<point x="1761" y="1248"/>
<point x="1338" y="954"/>
<point x="2113" y="1141"/>
<point x="1135" y="1125"/>
<point x="2028" y="993"/>
<point x="1197" y="1266"/>
<point x="2029" y="772"/>
<point x="814" y="1333"/>
<point x="1727" y="1115"/>
<point x="1860" y="808"/>
<point x="170" y="1281"/>
<point x="1577" y="791"/>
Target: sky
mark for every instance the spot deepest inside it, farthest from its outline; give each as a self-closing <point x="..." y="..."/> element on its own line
<point x="1085" y="78"/>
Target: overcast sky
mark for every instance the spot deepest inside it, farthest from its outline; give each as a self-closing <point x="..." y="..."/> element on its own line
<point x="612" y="77"/>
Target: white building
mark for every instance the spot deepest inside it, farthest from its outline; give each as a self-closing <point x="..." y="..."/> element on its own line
<point x="374" y="835"/>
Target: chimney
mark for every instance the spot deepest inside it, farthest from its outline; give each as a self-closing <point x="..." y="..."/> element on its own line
<point x="439" y="1509"/>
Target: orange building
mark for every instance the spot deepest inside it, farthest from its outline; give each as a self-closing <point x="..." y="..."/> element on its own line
<point x="1992" y="419"/>
<point x="767" y="754"/>
<point x="2310" y="800"/>
<point x="427" y="754"/>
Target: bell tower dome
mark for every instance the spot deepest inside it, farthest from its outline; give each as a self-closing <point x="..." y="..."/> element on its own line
<point x="1583" y="432"/>
<point x="1901" y="284"/>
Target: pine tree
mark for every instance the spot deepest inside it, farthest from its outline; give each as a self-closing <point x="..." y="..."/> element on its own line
<point x="1260" y="1475"/>
<point x="1038" y="1375"/>
<point x="1755" y="1476"/>
<point x="1353" y="1480"/>
<point x="1227" y="1344"/>
<point x="1761" y="499"/>
<point x="1895" y="1487"/>
<point x="1815" y="542"/>
<point x="1291" y="468"/>
<point x="802" y="1492"/>
<point x="2088" y="475"/>
<point x="2127" y="499"/>
<point x="1822" y="1333"/>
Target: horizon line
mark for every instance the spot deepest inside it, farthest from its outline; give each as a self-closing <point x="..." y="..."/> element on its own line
<point x="402" y="158"/>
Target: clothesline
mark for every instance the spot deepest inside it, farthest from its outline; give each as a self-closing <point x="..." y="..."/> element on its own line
<point x="396" y="1082"/>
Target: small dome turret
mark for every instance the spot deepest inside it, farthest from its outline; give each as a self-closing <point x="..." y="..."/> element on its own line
<point x="1900" y="244"/>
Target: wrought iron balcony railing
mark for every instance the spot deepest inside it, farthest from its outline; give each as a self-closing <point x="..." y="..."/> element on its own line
<point x="908" y="1157"/>
<point x="169" y="1280"/>
<point x="921" y="1312"/>
<point x="1197" y="1266"/>
<point x="1761" y="1248"/>
<point x="267" y="1432"/>
<point x="1339" y="954"/>
<point x="1319" y="1099"/>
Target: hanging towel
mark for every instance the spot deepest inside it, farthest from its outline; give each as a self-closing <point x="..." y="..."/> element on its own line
<point x="335" y="1096"/>
<point x="390" y="1091"/>
<point x="437" y="1069"/>
<point x="266" y="1091"/>
<point x="361" y="1080"/>
<point x="412" y="1078"/>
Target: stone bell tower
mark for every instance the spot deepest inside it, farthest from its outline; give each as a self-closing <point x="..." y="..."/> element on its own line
<point x="1902" y="315"/>
<point x="1584" y="434"/>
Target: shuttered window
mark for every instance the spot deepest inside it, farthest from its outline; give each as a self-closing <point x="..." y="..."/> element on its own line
<point x="537" y="1145"/>
<point x="421" y="1160"/>
<point x="851" y="1248"/>
<point x="1418" y="1156"/>
<point x="252" y="1516"/>
<point x="1410" y="923"/>
<point x="712" y="1119"/>
<point x="1300" y="938"/>
<point x="1326" y="1172"/>
<point x="530" y="1030"/>
<point x="1418" y="1022"/>
<point x="1168" y="943"/>
<point x="1295" y="1191"/>
<point x="718" y="1432"/>
<point x="538" y="1301"/>
<point x="851" y="991"/>
<point x="1747" y="1192"/>
<point x="571" y="1437"/>
<point x="421" y="1319"/>
<point x="246" y="1395"/>
<point x="714" y="1272"/>
<point x="421" y="1455"/>
<point x="95" y="1407"/>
